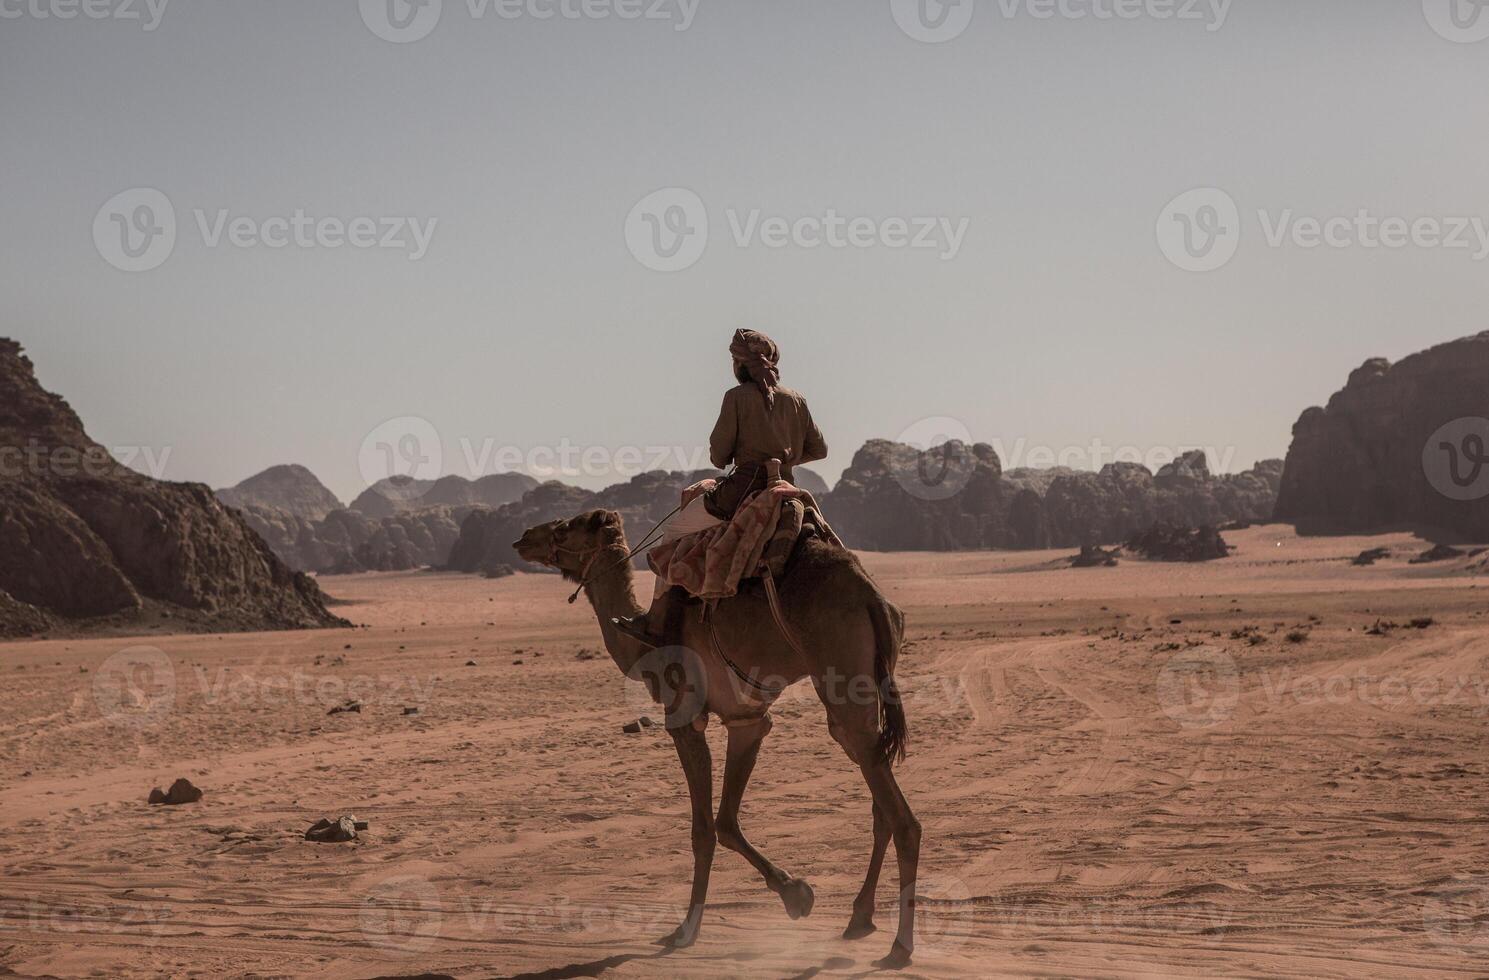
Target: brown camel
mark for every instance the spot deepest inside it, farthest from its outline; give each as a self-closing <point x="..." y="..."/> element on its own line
<point x="733" y="665"/>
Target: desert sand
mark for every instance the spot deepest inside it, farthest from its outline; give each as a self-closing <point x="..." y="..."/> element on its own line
<point x="1147" y="770"/>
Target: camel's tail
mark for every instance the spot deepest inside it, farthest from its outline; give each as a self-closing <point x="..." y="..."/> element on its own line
<point x="889" y="631"/>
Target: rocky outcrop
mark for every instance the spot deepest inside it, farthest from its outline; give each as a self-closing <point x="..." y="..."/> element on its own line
<point x="82" y="536"/>
<point x="1164" y="542"/>
<point x="401" y="493"/>
<point x="345" y="541"/>
<point x="1400" y="445"/>
<point x="292" y="489"/>
<point x="957" y="497"/>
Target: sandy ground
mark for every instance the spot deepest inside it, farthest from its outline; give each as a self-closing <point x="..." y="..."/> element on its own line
<point x="1114" y="777"/>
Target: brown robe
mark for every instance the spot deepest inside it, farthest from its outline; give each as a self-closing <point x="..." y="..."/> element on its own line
<point x="749" y="433"/>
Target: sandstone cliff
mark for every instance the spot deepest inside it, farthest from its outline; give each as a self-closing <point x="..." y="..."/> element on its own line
<point x="1400" y="445"/>
<point x="82" y="536"/>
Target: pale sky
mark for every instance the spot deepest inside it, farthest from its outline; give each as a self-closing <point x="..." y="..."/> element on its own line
<point x="1052" y="144"/>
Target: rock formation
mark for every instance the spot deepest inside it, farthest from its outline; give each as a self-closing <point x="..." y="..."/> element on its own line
<point x="82" y="536"/>
<point x="1378" y="455"/>
<point x="400" y="493"/>
<point x="1164" y="542"/>
<point x="956" y="497"/>
<point x="292" y="489"/>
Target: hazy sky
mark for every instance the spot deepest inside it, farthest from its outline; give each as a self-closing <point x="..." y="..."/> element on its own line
<point x="1050" y="146"/>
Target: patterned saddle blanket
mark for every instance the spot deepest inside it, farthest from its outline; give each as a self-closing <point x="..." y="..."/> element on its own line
<point x="761" y="538"/>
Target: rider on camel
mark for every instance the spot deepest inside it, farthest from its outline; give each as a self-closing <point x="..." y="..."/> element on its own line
<point x="759" y="421"/>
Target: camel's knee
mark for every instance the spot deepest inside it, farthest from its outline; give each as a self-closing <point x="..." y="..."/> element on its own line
<point x="705" y="836"/>
<point x="907" y="835"/>
<point x="729" y="835"/>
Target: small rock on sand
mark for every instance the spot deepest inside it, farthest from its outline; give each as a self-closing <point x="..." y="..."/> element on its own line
<point x="181" y="791"/>
<point x="335" y="832"/>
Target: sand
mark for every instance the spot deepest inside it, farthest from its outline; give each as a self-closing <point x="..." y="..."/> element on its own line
<point x="1113" y="777"/>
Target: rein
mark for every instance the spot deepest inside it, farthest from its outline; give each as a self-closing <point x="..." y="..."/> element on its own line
<point x="584" y="574"/>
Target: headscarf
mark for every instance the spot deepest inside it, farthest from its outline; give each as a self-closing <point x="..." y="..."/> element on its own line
<point x="759" y="356"/>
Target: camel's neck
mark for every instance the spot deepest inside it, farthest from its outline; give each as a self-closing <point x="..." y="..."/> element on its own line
<point x="612" y="595"/>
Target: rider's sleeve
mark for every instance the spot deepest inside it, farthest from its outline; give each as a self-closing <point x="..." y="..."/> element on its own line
<point x="814" y="447"/>
<point x="725" y="434"/>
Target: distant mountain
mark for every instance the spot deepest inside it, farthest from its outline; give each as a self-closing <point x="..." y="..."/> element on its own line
<point x="400" y="493"/>
<point x="82" y="536"/>
<point x="956" y="497"/>
<point x="345" y="541"/>
<point x="1401" y="445"/>
<point x="291" y="488"/>
<point x="810" y="481"/>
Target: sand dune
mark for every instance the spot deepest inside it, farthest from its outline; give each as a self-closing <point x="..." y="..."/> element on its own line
<point x="1113" y="777"/>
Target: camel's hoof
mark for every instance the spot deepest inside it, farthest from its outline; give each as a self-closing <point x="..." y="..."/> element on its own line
<point x="680" y="938"/>
<point x="798" y="898"/>
<point x="857" y="930"/>
<point x="898" y="959"/>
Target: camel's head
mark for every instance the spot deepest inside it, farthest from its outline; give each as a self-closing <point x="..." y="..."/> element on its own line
<point x="570" y="546"/>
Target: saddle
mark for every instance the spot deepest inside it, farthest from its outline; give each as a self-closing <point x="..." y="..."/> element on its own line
<point x="761" y="539"/>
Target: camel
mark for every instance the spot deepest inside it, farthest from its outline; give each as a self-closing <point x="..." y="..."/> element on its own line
<point x="732" y="665"/>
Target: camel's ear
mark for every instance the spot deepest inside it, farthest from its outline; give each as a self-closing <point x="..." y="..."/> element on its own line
<point x="598" y="520"/>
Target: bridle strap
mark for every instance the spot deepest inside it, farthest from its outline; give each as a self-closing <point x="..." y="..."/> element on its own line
<point x="584" y="576"/>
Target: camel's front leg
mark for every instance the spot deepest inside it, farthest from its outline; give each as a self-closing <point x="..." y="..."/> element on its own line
<point x="697" y="766"/>
<point x="744" y="747"/>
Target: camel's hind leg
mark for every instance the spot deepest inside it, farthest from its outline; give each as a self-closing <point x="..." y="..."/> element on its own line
<point x="744" y="747"/>
<point x="854" y="724"/>
<point x="905" y="830"/>
<point x="862" y="923"/>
